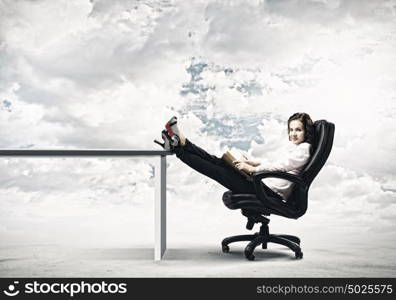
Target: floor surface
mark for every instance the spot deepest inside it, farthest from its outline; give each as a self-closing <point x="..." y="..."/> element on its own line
<point x="196" y="261"/>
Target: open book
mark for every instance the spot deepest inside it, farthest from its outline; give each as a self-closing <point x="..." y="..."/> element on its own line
<point x="229" y="157"/>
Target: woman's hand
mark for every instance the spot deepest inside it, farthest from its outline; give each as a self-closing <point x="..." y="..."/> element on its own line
<point x="247" y="161"/>
<point x="245" y="167"/>
<point x="252" y="163"/>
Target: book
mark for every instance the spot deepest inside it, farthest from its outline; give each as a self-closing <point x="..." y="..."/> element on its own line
<point x="229" y="157"/>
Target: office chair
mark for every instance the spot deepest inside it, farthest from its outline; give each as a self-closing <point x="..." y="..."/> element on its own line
<point x="257" y="206"/>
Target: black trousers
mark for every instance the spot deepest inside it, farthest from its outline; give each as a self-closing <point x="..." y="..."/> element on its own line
<point x="216" y="168"/>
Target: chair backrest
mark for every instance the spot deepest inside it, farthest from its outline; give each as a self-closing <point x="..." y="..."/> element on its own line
<point x="323" y="142"/>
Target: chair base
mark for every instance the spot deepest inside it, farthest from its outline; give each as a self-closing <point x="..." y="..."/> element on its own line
<point x="263" y="238"/>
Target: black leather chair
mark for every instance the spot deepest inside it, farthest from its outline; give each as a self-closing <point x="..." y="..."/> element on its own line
<point x="256" y="206"/>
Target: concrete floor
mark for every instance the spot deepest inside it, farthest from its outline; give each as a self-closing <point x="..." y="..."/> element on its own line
<point x="197" y="261"/>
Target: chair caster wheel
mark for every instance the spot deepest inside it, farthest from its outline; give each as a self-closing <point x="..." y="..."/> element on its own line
<point x="225" y="249"/>
<point x="250" y="257"/>
<point x="299" y="255"/>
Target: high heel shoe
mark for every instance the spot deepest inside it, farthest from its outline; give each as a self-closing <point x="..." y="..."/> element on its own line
<point x="167" y="144"/>
<point x="173" y="131"/>
<point x="169" y="124"/>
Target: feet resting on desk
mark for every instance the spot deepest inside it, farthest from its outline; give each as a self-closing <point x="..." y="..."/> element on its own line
<point x="171" y="136"/>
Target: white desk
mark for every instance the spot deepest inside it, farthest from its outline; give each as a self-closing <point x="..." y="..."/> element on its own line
<point x="160" y="181"/>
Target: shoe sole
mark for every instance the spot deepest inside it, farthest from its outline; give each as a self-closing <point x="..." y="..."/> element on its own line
<point x="169" y="125"/>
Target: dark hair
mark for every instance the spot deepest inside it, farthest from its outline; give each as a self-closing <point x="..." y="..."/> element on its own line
<point x="306" y="120"/>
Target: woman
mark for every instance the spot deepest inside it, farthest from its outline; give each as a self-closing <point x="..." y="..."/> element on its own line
<point x="297" y="154"/>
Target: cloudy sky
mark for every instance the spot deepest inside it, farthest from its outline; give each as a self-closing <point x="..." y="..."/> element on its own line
<point x="108" y="74"/>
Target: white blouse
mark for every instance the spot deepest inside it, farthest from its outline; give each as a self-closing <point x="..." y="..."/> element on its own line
<point x="292" y="161"/>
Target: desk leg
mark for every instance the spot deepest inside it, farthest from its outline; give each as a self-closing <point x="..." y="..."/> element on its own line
<point x="160" y="207"/>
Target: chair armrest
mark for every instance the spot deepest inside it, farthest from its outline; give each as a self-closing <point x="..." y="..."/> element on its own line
<point x="261" y="193"/>
<point x="277" y="174"/>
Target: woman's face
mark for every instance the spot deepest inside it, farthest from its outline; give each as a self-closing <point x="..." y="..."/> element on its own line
<point x="296" y="132"/>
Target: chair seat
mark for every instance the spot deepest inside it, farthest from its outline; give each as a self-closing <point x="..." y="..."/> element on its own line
<point x="251" y="202"/>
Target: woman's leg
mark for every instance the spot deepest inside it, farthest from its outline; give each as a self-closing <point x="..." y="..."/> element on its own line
<point x="194" y="149"/>
<point x="214" y="168"/>
<point x="229" y="178"/>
